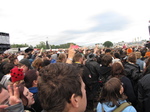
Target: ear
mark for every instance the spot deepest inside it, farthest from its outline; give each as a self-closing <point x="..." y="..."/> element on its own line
<point x="74" y="100"/>
<point x="35" y="82"/>
<point x="121" y="89"/>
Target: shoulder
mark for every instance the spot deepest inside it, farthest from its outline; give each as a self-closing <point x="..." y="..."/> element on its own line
<point x="146" y="77"/>
<point x="144" y="81"/>
<point x="124" y="79"/>
<point x="99" y="107"/>
<point x="129" y="109"/>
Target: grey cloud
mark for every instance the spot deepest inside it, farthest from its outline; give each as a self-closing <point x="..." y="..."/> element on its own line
<point x="109" y="21"/>
<point x="105" y="22"/>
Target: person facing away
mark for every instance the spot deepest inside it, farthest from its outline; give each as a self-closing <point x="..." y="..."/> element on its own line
<point x="118" y="72"/>
<point x="87" y="79"/>
<point x="144" y="90"/>
<point x="61" y="88"/>
<point x="132" y="71"/>
<point x="140" y="62"/>
<point x="105" y="69"/>
<point x="112" y="96"/>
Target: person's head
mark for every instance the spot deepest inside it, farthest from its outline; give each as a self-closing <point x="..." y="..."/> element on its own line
<point x="62" y="57"/>
<point x="117" y="70"/>
<point x="25" y="64"/>
<point x="78" y="57"/>
<point x="17" y="77"/>
<point x="129" y="50"/>
<point x="106" y="60"/>
<point x="48" y="57"/>
<point x="45" y="62"/>
<point x="37" y="63"/>
<point x="4" y="96"/>
<point x="88" y="51"/>
<point x="116" y="55"/>
<point x="107" y="51"/>
<point x="112" y="91"/>
<point x="138" y="55"/>
<point x="13" y="59"/>
<point x="132" y="58"/>
<point x="91" y="56"/>
<point x="61" y="88"/>
<point x="31" y="78"/>
<point x="25" y="95"/>
<point x="7" y="67"/>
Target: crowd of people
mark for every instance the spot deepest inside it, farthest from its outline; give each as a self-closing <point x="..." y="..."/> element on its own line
<point x="87" y="80"/>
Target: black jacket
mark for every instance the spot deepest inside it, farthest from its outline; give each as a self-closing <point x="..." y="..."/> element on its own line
<point x="94" y="69"/>
<point x="144" y="94"/>
<point x="87" y="79"/>
<point x="105" y="73"/>
<point x="132" y="71"/>
<point x="128" y="90"/>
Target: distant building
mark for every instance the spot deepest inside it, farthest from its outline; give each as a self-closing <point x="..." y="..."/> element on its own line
<point x="4" y="42"/>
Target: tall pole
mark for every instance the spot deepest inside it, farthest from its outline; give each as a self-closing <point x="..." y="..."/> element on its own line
<point x="149" y="29"/>
<point x="47" y="45"/>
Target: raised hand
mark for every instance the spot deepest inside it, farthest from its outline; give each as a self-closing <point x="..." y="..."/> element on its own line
<point x="14" y="95"/>
<point x="71" y="53"/>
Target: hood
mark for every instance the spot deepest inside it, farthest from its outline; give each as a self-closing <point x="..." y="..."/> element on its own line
<point x="107" y="106"/>
<point x="104" y="70"/>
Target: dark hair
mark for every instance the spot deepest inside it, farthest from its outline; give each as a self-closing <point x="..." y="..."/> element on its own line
<point x="22" y="96"/>
<point x="49" y="56"/>
<point x="117" y="55"/>
<point x="117" y="70"/>
<point x="106" y="60"/>
<point x="56" y="85"/>
<point x="45" y="62"/>
<point x="111" y="92"/>
<point x="107" y="50"/>
<point x="30" y="76"/>
<point x="7" y="67"/>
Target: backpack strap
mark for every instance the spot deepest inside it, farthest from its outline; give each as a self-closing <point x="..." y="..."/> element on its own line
<point x="122" y="107"/>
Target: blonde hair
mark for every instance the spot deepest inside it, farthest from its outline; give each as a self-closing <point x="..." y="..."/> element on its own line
<point x="138" y="55"/>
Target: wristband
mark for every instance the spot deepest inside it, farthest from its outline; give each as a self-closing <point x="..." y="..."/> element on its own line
<point x="69" y="59"/>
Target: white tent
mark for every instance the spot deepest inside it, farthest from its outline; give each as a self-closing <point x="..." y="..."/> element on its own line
<point x="11" y="50"/>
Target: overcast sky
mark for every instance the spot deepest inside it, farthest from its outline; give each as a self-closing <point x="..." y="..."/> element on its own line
<point x="84" y="22"/>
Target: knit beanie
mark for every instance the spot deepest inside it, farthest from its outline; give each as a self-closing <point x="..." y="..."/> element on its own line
<point x="16" y="74"/>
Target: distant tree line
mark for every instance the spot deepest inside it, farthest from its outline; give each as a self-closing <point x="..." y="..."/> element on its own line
<point x="43" y="45"/>
<point x="19" y="45"/>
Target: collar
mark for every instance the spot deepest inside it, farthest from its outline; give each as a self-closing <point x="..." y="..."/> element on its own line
<point x="77" y="62"/>
<point x="33" y="89"/>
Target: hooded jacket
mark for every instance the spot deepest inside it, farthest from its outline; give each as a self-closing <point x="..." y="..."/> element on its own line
<point x="94" y="69"/>
<point x="132" y="71"/>
<point x="105" y="73"/>
<point x="108" y="108"/>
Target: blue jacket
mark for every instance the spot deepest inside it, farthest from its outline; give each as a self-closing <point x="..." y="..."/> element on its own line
<point x="108" y="108"/>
